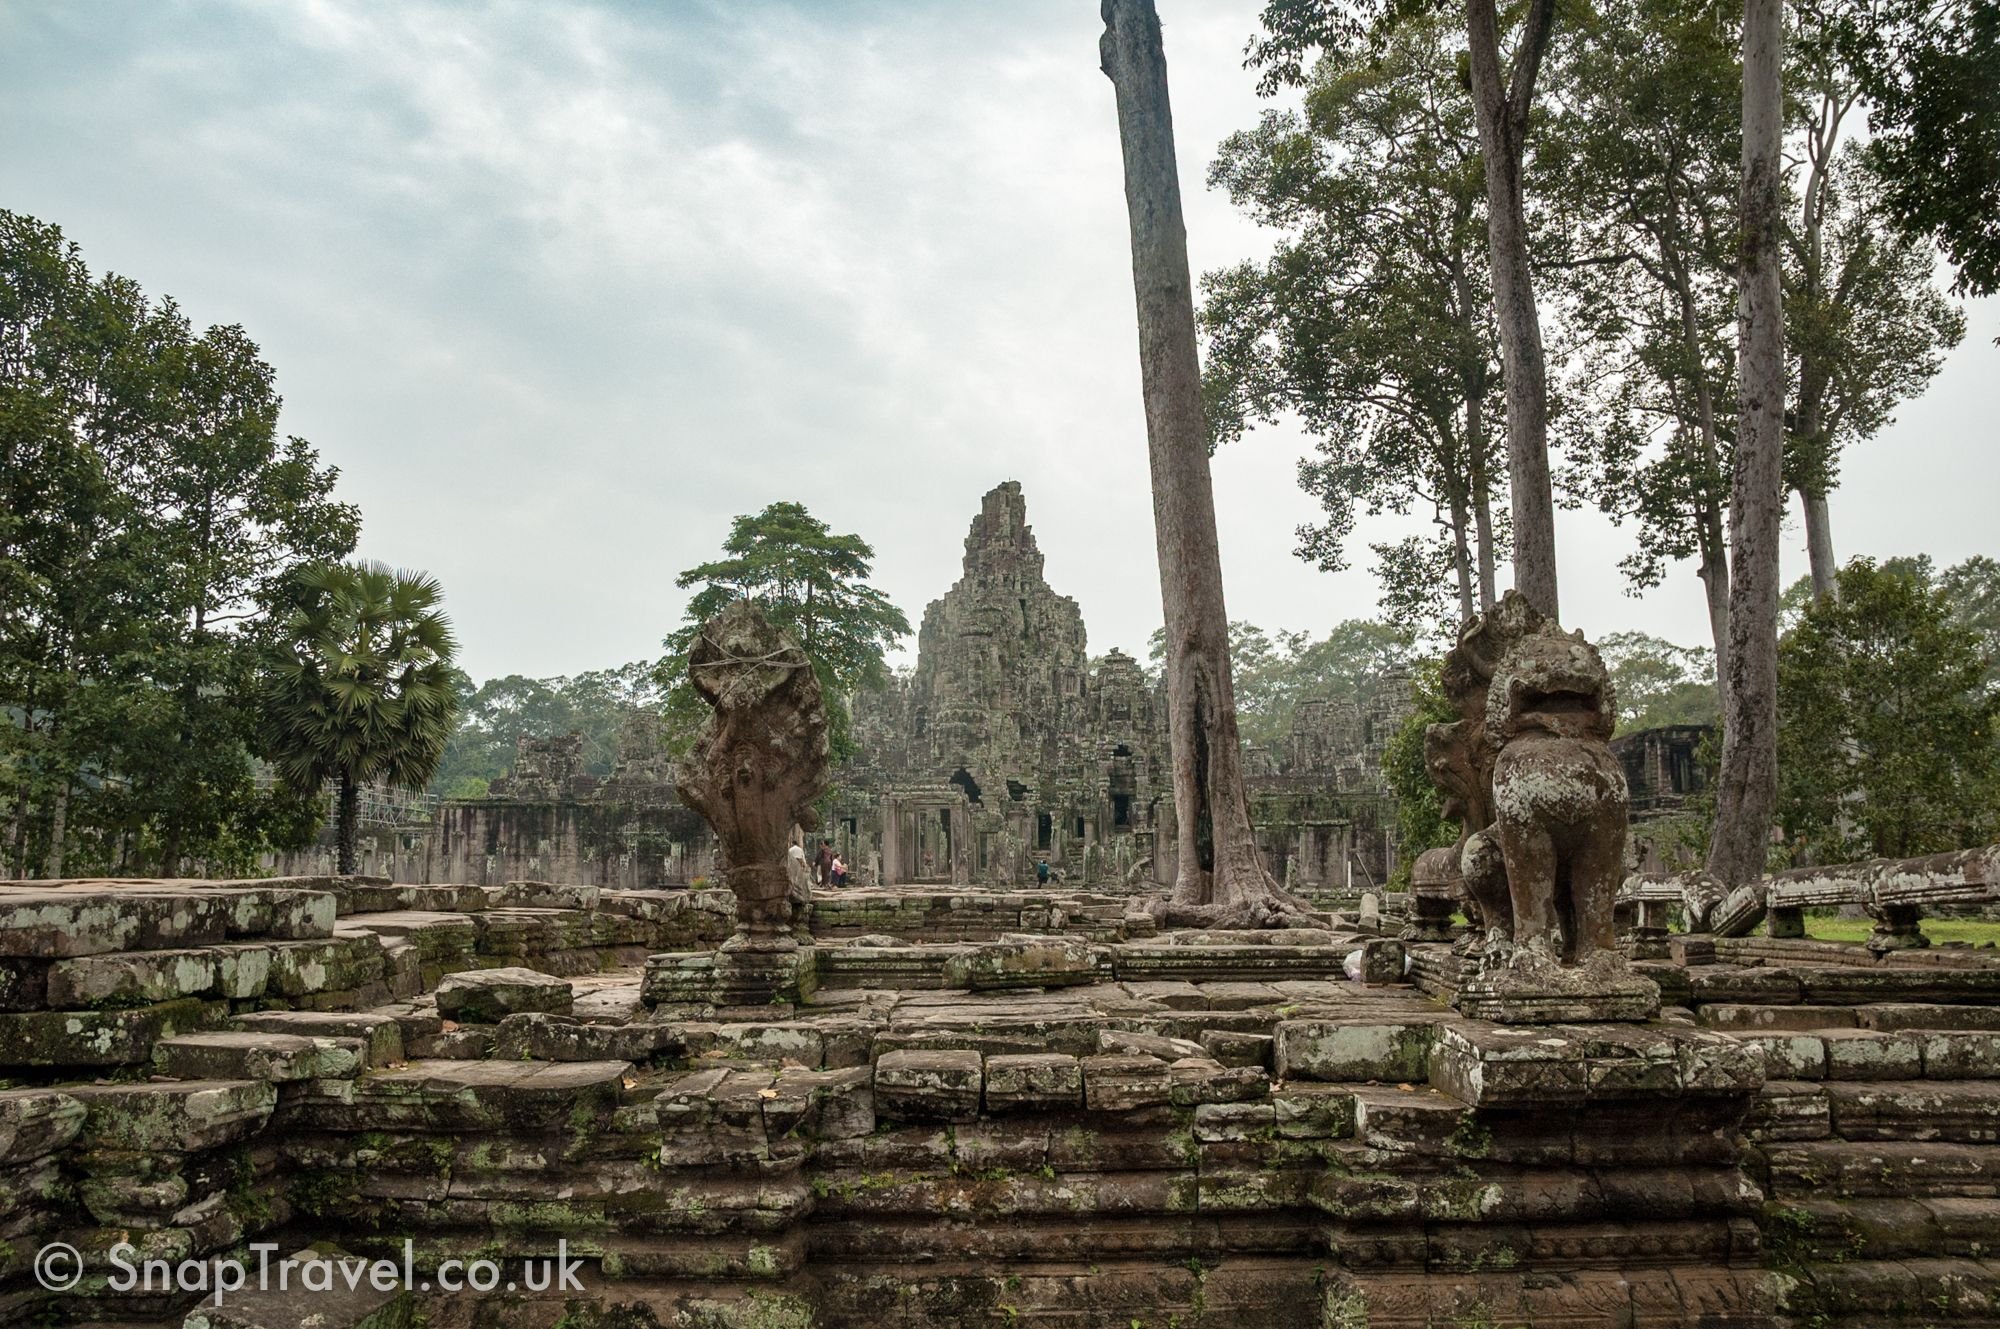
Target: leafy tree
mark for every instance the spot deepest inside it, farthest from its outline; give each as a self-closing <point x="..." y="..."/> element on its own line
<point x="148" y="509"/>
<point x="813" y="584"/>
<point x="360" y="687"/>
<point x="1886" y="729"/>
<point x="1865" y="326"/>
<point x="493" y="716"/>
<point x="1641" y="158"/>
<point x="1420" y="820"/>
<point x="1372" y="320"/>
<point x="1275" y="673"/>
<point x="1659" y="683"/>
<point x="1930" y="70"/>
<point x="1502" y="86"/>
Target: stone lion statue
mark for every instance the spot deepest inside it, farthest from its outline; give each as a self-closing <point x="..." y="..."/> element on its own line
<point x="1559" y="796"/>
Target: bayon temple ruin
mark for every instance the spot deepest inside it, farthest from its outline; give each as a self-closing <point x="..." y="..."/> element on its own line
<point x="1006" y="744"/>
<point x="1535" y="1091"/>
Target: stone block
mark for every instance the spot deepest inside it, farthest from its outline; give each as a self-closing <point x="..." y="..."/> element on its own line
<point x="1232" y="1048"/>
<point x="1220" y="1122"/>
<point x="132" y="978"/>
<point x="1491" y="1066"/>
<point x="1958" y="1111"/>
<point x="36" y="1122"/>
<point x="573" y="1097"/>
<point x="1147" y="1045"/>
<point x="1790" y="1110"/>
<point x="1790" y="1056"/>
<point x="1305" y="1111"/>
<point x="1196" y="1080"/>
<point x="101" y="1037"/>
<point x="57" y="923"/>
<point x="542" y="1037"/>
<point x="928" y="1086"/>
<point x="247" y="1055"/>
<point x="1863" y="1054"/>
<point x="1358" y="1049"/>
<point x="488" y="996"/>
<point x="1891" y="1015"/>
<point x="1415" y="1120"/>
<point x="1033" y="1082"/>
<point x="302" y="968"/>
<point x="1961" y="1054"/>
<point x="381" y="1035"/>
<point x="1123" y="1082"/>
<point x="767" y="974"/>
<point x="1739" y="1017"/>
<point x="180" y="1117"/>
<point x="1023" y="962"/>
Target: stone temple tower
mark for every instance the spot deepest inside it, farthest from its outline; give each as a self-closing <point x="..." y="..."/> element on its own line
<point x="1001" y="659"/>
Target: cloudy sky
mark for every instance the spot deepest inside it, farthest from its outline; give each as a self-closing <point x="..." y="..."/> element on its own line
<point x="561" y="288"/>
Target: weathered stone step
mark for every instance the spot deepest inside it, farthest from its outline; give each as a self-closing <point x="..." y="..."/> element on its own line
<point x="88" y="1039"/>
<point x="177" y="1117"/>
<point x="255" y="1055"/>
<point x="237" y="971"/>
<point x="1887" y="1229"/>
<point x="476" y="1095"/>
<point x="1138" y="961"/>
<point x="1931" y="1292"/>
<point x="1890" y="1168"/>
<point x="381" y="1036"/>
<point x="1957" y="1111"/>
<point x="1844" y="985"/>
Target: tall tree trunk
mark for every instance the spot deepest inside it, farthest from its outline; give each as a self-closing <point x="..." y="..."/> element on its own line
<point x="347" y="824"/>
<point x="52" y="865"/>
<point x="1482" y="499"/>
<point x="1714" y="573"/>
<point x="1219" y="875"/>
<point x="1748" y="784"/>
<point x="1461" y="557"/>
<point x="1819" y="547"/>
<point x="1501" y="105"/>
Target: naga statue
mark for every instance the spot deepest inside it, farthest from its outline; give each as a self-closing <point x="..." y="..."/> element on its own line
<point x="1528" y="772"/>
<point x="760" y="760"/>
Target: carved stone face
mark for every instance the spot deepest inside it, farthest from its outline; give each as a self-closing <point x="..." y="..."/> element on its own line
<point x="1555" y="683"/>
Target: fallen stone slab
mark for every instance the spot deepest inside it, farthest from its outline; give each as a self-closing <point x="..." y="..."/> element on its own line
<point x="488" y="996"/>
<point x="381" y="1036"/>
<point x="248" y="1055"/>
<point x="103" y="1037"/>
<point x="180" y="1117"/>
<point x="1150" y="1045"/>
<point x="929" y="1086"/>
<point x="61" y="922"/>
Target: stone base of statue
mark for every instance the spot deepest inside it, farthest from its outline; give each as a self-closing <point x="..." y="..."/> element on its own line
<point x="751" y="972"/>
<point x="1524" y="985"/>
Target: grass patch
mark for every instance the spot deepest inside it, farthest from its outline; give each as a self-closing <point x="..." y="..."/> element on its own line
<point x="1977" y="931"/>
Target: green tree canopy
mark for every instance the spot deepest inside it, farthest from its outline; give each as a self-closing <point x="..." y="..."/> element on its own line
<point x="494" y="715"/>
<point x="1420" y="820"/>
<point x="1886" y="722"/>
<point x="1371" y="323"/>
<point x="149" y="509"/>
<point x="813" y="584"/>
<point x="1659" y="683"/>
<point x="360" y="685"/>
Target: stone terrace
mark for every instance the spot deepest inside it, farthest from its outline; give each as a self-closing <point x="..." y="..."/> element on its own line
<point x="996" y="1108"/>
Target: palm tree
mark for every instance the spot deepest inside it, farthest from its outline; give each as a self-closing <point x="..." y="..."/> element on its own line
<point x="359" y="687"/>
